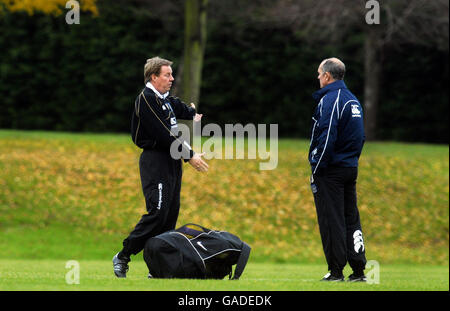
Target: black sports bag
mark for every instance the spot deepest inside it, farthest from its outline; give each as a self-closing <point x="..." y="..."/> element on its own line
<point x="195" y="252"/>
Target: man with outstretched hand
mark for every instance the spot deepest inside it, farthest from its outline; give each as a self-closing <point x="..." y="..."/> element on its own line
<point x="153" y="128"/>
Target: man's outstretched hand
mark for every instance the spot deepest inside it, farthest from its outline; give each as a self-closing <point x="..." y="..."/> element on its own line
<point x="197" y="162"/>
<point x="198" y="117"/>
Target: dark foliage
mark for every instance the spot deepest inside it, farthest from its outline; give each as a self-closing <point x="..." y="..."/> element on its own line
<point x="85" y="77"/>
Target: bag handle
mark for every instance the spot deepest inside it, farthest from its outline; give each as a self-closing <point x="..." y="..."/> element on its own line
<point x="242" y="261"/>
<point x="190" y="231"/>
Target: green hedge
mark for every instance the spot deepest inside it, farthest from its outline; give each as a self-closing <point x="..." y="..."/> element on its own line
<point x="55" y="76"/>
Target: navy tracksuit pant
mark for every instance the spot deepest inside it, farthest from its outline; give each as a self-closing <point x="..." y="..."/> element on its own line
<point x="161" y="184"/>
<point x="339" y="222"/>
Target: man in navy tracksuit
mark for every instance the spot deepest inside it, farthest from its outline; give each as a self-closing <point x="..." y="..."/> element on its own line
<point x="337" y="140"/>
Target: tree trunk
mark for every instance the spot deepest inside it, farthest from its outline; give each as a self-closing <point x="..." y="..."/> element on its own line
<point x="194" y="47"/>
<point x="195" y="13"/>
<point x="372" y="74"/>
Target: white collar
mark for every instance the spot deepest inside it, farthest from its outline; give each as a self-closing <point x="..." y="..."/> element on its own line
<point x="150" y="86"/>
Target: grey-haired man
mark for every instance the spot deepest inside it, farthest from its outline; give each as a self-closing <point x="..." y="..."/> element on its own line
<point x="337" y="139"/>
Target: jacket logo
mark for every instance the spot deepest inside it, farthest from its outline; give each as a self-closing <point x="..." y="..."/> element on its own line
<point x="355" y="111"/>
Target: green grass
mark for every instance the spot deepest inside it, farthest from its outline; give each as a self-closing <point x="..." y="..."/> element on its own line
<point x="77" y="196"/>
<point x="97" y="275"/>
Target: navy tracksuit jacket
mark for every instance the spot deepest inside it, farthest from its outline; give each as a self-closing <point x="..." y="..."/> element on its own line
<point x="338" y="131"/>
<point x="337" y="139"/>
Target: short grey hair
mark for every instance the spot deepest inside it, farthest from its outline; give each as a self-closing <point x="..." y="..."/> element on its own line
<point x="153" y="66"/>
<point x="335" y="67"/>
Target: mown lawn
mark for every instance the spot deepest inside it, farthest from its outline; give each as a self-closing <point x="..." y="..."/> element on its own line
<point x="76" y="196"/>
<point x="98" y="275"/>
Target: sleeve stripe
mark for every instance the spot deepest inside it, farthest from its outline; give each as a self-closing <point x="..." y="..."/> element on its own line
<point x="329" y="129"/>
<point x="314" y="126"/>
<point x="139" y="119"/>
